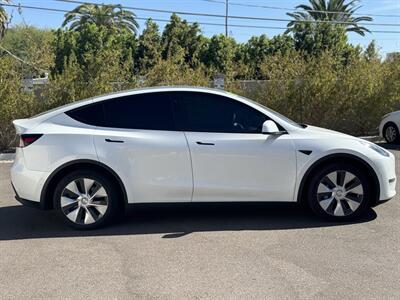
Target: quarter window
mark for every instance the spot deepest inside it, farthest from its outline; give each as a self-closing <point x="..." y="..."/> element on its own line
<point x="91" y="114"/>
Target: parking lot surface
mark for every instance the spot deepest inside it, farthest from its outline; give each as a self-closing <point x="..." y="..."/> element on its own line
<point x="219" y="251"/>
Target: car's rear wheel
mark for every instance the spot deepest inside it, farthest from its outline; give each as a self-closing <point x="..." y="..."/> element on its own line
<point x="339" y="192"/>
<point x="86" y="199"/>
<point x="391" y="133"/>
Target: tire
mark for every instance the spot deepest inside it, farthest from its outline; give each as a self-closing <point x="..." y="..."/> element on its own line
<point x="339" y="192"/>
<point x="391" y="133"/>
<point x="86" y="199"/>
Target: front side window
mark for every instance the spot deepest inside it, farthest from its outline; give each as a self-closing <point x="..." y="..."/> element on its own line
<point x="205" y="112"/>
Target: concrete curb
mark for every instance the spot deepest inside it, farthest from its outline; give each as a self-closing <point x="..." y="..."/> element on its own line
<point x="7" y="157"/>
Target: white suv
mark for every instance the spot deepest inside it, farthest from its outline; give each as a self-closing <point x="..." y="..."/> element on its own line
<point x="389" y="127"/>
<point x="89" y="159"/>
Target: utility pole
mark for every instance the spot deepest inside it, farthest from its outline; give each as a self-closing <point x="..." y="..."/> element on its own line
<point x="226" y="16"/>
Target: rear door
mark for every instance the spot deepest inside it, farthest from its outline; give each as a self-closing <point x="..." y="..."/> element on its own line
<point x="232" y="160"/>
<point x="139" y="141"/>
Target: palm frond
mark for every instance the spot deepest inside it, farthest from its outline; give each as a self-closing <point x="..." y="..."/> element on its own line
<point x="331" y="10"/>
<point x="102" y="15"/>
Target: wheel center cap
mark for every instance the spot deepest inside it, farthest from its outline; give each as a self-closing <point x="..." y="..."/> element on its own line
<point x="84" y="200"/>
<point x="339" y="193"/>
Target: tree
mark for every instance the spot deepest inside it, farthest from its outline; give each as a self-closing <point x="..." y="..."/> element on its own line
<point x="14" y="103"/>
<point x="282" y="43"/>
<point x="31" y="44"/>
<point x="314" y="39"/>
<point x="149" y="47"/>
<point x="181" y="37"/>
<point x="257" y="48"/>
<point x="90" y="40"/>
<point x="330" y="10"/>
<point x="220" y="54"/>
<point x="254" y="52"/>
<point x="371" y="53"/>
<point x="3" y="19"/>
<point x="113" y="16"/>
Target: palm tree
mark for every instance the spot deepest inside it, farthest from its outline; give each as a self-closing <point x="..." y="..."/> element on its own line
<point x="330" y="10"/>
<point x="3" y="19"/>
<point x="101" y="14"/>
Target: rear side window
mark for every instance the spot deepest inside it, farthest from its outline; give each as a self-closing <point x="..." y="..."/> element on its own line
<point x="144" y="111"/>
<point x="205" y="112"/>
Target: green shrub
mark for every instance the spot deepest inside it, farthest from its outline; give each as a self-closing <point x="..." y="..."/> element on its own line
<point x="14" y="103"/>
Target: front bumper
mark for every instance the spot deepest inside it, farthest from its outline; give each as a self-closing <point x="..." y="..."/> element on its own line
<point x="385" y="169"/>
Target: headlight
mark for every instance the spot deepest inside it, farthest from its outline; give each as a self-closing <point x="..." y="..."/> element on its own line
<point x="376" y="148"/>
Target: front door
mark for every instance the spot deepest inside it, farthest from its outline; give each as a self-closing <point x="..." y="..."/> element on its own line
<point x="231" y="159"/>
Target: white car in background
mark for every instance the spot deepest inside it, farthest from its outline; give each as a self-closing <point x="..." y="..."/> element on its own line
<point x="389" y="127"/>
<point x="89" y="159"/>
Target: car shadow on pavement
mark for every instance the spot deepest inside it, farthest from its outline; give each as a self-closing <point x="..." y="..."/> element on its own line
<point x="170" y="220"/>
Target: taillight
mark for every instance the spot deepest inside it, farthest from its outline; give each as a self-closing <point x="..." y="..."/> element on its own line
<point x="27" y="139"/>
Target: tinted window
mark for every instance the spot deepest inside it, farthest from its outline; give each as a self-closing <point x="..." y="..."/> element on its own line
<point x="91" y="114"/>
<point x="146" y="111"/>
<point x="212" y="113"/>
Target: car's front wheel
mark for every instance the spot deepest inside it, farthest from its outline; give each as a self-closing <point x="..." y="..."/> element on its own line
<point x="86" y="199"/>
<point x="391" y="133"/>
<point x="339" y="192"/>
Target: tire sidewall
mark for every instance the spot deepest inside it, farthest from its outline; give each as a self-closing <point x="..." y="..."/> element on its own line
<point x="104" y="181"/>
<point x="316" y="179"/>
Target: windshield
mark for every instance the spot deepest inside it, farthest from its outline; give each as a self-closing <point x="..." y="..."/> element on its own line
<point x="280" y="116"/>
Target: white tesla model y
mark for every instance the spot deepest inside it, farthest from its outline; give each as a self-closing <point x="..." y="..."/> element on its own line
<point x="89" y="159"/>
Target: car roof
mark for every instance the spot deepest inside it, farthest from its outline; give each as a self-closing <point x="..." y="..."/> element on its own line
<point x="156" y="89"/>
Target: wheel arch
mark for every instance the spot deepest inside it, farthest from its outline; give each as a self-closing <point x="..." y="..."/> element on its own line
<point x="389" y="122"/>
<point x="46" y="197"/>
<point x="332" y="158"/>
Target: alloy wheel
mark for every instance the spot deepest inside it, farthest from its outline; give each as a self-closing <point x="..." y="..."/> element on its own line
<point x="340" y="193"/>
<point x="84" y="201"/>
<point x="390" y="134"/>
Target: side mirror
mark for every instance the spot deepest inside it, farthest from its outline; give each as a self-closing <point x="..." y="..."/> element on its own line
<point x="270" y="127"/>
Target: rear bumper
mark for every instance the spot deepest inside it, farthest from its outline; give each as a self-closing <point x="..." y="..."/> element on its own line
<point x="27" y="184"/>
<point x="25" y="202"/>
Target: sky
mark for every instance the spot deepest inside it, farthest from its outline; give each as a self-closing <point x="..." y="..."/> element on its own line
<point x="388" y="11"/>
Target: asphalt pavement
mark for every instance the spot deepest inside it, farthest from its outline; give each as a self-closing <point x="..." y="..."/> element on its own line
<point x="218" y="251"/>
